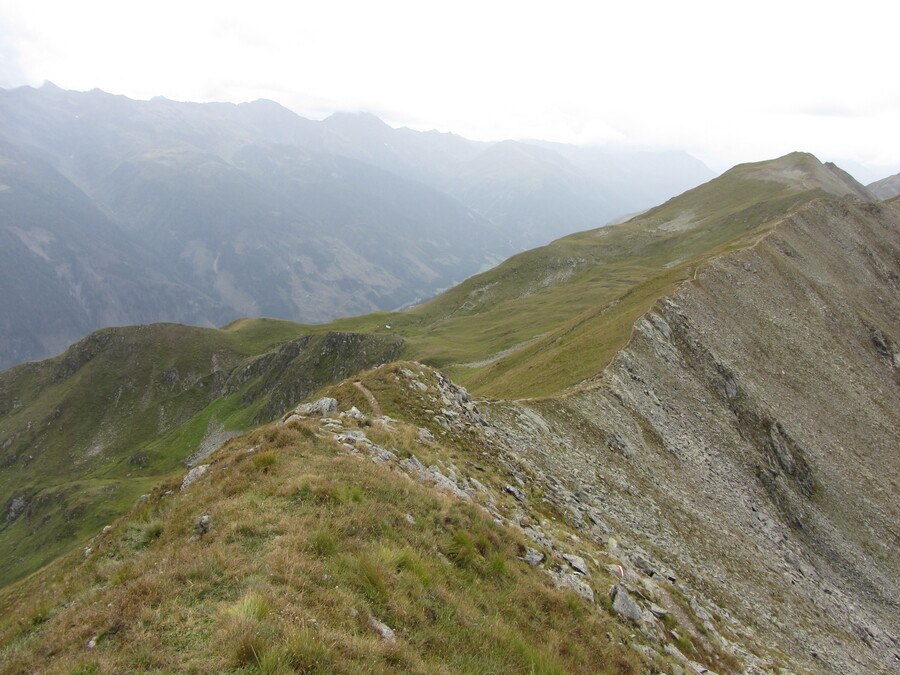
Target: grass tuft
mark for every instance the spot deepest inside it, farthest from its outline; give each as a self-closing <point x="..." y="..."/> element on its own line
<point x="323" y="542"/>
<point x="263" y="460"/>
<point x="252" y="605"/>
<point x="142" y="533"/>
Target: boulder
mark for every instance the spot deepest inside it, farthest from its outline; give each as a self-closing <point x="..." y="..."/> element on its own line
<point x="532" y="556"/>
<point x="624" y="605"/>
<point x="383" y="630"/>
<point x="576" y="583"/>
<point x="201" y="526"/>
<point x="515" y="492"/>
<point x="323" y="407"/>
<point x="577" y="563"/>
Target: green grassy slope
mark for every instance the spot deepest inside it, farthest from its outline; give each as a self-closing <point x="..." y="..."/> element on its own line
<point x="84" y="434"/>
<point x="304" y="544"/>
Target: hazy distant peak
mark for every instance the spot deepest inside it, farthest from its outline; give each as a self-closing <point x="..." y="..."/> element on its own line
<point x="266" y="103"/>
<point x="356" y="120"/>
<point x="886" y="188"/>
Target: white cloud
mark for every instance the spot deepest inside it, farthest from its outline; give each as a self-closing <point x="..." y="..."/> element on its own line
<point x="728" y="82"/>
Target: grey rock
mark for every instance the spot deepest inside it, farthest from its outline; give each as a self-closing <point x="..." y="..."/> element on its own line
<point x="353" y="437"/>
<point x="532" y="556"/>
<point x="323" y="407"/>
<point x="413" y="464"/>
<point x="15" y="508"/>
<point x="410" y="519"/>
<point x="383" y="630"/>
<point x="478" y="485"/>
<point x="538" y="536"/>
<point x="699" y="612"/>
<point x="193" y="475"/>
<point x="575" y="582"/>
<point x="643" y="565"/>
<point x="201" y="527"/>
<point x="618" y="571"/>
<point x="515" y="492"/>
<point x="425" y="436"/>
<point x="381" y="455"/>
<point x="577" y="563"/>
<point x="624" y="605"/>
<point x="445" y="483"/>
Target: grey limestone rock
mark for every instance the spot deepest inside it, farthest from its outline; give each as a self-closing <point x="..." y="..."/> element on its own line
<point x="624" y="605"/>
<point x="193" y="475"/>
<point x="386" y="633"/>
<point x="201" y="527"/>
<point x="532" y="556"/>
<point x="575" y="582"/>
<point x="322" y="407"/>
<point x="15" y="508"/>
<point x="577" y="563"/>
<point x="515" y="492"/>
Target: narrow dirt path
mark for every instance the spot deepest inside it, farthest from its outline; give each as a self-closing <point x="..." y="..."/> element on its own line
<point x="376" y="409"/>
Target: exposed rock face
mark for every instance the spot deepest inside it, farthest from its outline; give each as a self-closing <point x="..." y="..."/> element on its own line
<point x="747" y="438"/>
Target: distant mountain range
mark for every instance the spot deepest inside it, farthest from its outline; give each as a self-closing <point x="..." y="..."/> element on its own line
<point x="114" y="211"/>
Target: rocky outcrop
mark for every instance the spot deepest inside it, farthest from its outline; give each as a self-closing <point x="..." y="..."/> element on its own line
<point x="299" y="367"/>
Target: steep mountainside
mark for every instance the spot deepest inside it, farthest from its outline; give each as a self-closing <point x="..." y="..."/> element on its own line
<point x="254" y="211"/>
<point x="886" y="188"/>
<point x="711" y="461"/>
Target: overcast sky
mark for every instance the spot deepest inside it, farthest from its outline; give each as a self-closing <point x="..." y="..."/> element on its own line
<point x="728" y="82"/>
